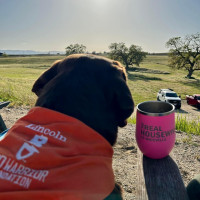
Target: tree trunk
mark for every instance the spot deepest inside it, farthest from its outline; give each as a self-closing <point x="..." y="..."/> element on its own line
<point x="190" y="72"/>
<point x="127" y="67"/>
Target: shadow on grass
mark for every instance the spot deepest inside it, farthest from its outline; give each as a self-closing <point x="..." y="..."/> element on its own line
<point x="37" y="67"/>
<point x="180" y="111"/>
<point x="145" y="70"/>
<point x="137" y="77"/>
<point x="192" y="82"/>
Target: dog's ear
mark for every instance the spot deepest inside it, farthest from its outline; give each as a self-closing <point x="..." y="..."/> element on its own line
<point x="122" y="98"/>
<point x="45" y="78"/>
<point x="59" y="66"/>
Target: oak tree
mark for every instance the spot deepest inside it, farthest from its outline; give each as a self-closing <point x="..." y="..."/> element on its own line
<point x="75" y="49"/>
<point x="184" y="53"/>
<point x="128" y="56"/>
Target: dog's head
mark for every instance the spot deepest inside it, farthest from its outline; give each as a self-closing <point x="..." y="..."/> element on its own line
<point x="90" y="88"/>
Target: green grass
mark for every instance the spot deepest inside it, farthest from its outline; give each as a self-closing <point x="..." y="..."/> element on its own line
<point x="188" y="126"/>
<point x="18" y="73"/>
<point x="132" y="119"/>
<point x="154" y="74"/>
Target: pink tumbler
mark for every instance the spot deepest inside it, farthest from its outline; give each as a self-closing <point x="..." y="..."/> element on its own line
<point x="155" y="128"/>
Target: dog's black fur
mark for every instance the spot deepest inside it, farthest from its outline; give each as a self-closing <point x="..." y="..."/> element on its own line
<point x="90" y="88"/>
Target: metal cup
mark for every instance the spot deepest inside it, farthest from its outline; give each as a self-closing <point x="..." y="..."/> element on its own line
<point x="155" y="128"/>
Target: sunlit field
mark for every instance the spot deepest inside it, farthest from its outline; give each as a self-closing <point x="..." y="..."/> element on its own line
<point x="154" y="74"/>
<point x="19" y="73"/>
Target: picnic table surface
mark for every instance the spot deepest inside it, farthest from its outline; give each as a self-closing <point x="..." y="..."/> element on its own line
<point x="159" y="179"/>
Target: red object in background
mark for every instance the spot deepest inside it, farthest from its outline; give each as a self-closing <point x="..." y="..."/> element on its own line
<point x="193" y="100"/>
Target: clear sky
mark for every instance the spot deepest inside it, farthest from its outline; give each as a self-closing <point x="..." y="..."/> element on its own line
<point x="48" y="25"/>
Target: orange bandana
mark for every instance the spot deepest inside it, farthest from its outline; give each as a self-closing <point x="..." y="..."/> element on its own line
<point x="49" y="155"/>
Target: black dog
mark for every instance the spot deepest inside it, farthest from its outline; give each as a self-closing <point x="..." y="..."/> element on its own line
<point x="90" y="89"/>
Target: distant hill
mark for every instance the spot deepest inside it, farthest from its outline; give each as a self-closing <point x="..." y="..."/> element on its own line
<point x="29" y="52"/>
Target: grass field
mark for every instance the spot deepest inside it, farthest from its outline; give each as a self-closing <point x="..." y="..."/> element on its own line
<point x="17" y="75"/>
<point x="154" y="74"/>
